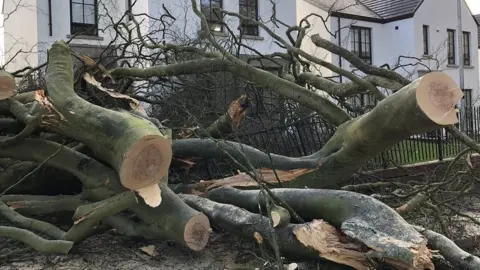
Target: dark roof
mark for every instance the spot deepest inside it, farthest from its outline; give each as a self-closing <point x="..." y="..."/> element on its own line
<point x="389" y="9"/>
<point x="379" y="11"/>
<point x="477" y="17"/>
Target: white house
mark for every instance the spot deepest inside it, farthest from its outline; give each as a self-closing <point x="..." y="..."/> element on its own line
<point x="477" y="17"/>
<point x="378" y="31"/>
<point x="419" y="35"/>
<point x="29" y="27"/>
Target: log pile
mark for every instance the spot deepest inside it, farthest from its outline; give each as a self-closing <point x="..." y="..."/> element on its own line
<point x="131" y="155"/>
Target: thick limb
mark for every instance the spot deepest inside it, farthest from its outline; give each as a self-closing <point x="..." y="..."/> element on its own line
<point x="41" y="205"/>
<point x="291" y="239"/>
<point x="87" y="216"/>
<point x="132" y="145"/>
<point x="449" y="250"/>
<point x="36" y="242"/>
<point x="210" y="148"/>
<point x="30" y="223"/>
<point x="172" y="219"/>
<point x="407" y="112"/>
<point x="359" y="216"/>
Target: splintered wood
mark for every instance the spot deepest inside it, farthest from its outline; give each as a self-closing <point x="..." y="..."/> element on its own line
<point x="133" y="103"/>
<point x="244" y="180"/>
<point x="236" y="110"/>
<point x="332" y="246"/>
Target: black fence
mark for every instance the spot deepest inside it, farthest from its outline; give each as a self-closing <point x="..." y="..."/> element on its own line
<point x="308" y="135"/>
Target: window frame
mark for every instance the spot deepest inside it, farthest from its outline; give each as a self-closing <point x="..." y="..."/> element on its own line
<point x="87" y="28"/>
<point x="451" y="55"/>
<point x="129" y="9"/>
<point x="210" y="21"/>
<point x="468" y="103"/>
<point x="368" y="60"/>
<point x="466" y="49"/>
<point x="256" y="30"/>
<point x="426" y="43"/>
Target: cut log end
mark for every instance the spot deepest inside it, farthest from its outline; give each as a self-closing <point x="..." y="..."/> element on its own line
<point x="437" y="94"/>
<point x="146" y="162"/>
<point x="197" y="232"/>
<point x="7" y="85"/>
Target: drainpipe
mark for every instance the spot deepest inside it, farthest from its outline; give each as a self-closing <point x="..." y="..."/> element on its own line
<point x="50" y="17"/>
<point x="461" y="63"/>
<point x="339" y="44"/>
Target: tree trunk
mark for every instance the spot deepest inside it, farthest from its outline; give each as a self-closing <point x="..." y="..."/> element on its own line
<point x="132" y="145"/>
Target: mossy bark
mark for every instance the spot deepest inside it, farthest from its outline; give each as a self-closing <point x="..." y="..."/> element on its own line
<point x="110" y="134"/>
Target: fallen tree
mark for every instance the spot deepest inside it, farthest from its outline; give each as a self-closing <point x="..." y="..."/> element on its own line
<point x="122" y="156"/>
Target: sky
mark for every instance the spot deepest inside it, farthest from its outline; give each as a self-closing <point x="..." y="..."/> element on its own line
<point x="474" y="6"/>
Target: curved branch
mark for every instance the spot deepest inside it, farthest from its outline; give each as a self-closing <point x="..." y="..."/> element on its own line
<point x="356" y="61"/>
<point x="36" y="242"/>
<point x="345" y="89"/>
<point x="210" y="148"/>
<point x="359" y="216"/>
<point x="30" y="223"/>
<point x="454" y="254"/>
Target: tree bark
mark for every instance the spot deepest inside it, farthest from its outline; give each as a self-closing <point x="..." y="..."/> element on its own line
<point x="454" y="254"/>
<point x="312" y="240"/>
<point x="172" y="219"/>
<point x="407" y="112"/>
<point x="134" y="146"/>
<point x="361" y="217"/>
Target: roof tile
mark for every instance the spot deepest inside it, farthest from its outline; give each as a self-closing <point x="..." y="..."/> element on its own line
<point x="388" y="9"/>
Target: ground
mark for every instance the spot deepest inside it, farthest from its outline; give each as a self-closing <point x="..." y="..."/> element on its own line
<point x="112" y="251"/>
<point x="109" y="250"/>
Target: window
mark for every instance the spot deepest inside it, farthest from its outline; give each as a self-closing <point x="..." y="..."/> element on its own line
<point x="129" y="10"/>
<point x="213" y="19"/>
<point x="368" y="99"/>
<point x="425" y="40"/>
<point x="451" y="46"/>
<point x="83" y="17"/>
<point x="249" y="8"/>
<point x="466" y="48"/>
<point x="362" y="43"/>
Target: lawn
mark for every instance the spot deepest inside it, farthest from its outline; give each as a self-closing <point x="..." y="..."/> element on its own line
<point x="415" y="151"/>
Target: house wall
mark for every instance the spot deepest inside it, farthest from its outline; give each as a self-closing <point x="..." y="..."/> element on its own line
<point x="389" y="41"/>
<point x="27" y="28"/>
<point x="187" y="24"/>
<point x="304" y="9"/>
<point x="20" y="34"/>
<point x="445" y="17"/>
<point x="61" y="24"/>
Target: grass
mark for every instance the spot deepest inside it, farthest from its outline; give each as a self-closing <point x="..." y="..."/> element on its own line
<point x="417" y="150"/>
